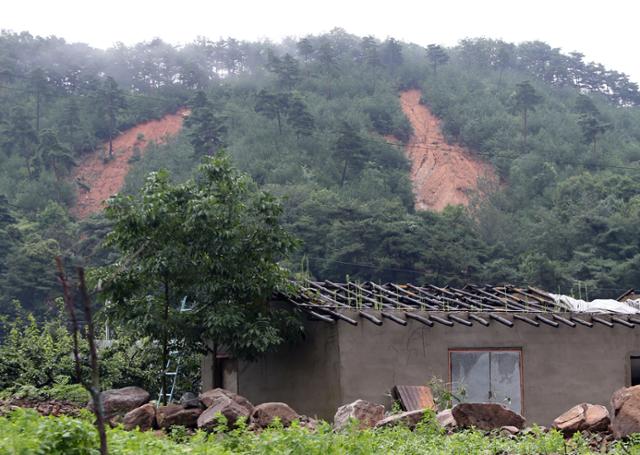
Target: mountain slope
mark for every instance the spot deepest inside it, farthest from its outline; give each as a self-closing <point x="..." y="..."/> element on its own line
<point x="97" y="179"/>
<point x="442" y="174"/>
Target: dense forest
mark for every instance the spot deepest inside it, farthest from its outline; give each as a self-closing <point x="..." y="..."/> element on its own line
<point x="310" y="120"/>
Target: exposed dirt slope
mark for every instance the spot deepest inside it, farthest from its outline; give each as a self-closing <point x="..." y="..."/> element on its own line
<point x="441" y="173"/>
<point x="96" y="180"/>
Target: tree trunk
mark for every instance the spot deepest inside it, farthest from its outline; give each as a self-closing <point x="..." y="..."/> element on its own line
<point x="95" y="371"/>
<point x="165" y="342"/>
<point x="524" y="129"/>
<point x="344" y="174"/>
<point x="279" y="123"/>
<point x="111" y="126"/>
<point x="37" y="110"/>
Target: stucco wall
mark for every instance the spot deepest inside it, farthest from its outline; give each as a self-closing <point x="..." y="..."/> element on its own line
<point x="562" y="366"/>
<point x="305" y="376"/>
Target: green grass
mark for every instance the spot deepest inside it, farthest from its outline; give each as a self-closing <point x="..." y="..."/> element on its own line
<point x="25" y="432"/>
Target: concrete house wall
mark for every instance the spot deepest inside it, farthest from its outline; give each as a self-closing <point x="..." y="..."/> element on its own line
<point x="339" y="363"/>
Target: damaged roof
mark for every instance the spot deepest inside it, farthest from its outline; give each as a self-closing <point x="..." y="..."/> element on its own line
<point x="449" y="306"/>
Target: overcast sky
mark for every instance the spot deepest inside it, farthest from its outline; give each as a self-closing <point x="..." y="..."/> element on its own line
<point x="607" y="34"/>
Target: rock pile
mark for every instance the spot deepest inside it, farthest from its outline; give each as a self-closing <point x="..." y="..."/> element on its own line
<point x="131" y="407"/>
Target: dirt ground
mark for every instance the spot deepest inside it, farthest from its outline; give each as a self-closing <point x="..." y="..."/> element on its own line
<point x="97" y="180"/>
<point x="441" y="173"/>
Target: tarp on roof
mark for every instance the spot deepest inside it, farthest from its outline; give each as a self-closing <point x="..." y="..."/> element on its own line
<point x="597" y="306"/>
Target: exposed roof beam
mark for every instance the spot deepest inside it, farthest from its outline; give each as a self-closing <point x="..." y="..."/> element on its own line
<point x="425" y="321"/>
<point x="526" y="319"/>
<point x="370" y="317"/>
<point x="477" y="318"/>
<point x="393" y="318"/>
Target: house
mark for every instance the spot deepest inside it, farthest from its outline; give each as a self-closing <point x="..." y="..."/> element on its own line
<point x="522" y="347"/>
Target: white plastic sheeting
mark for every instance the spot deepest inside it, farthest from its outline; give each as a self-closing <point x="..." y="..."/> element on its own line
<point x="597" y="306"/>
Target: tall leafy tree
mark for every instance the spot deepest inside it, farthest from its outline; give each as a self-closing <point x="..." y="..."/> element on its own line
<point x="437" y="56"/>
<point x="525" y="100"/>
<point x="207" y="130"/>
<point x="216" y="239"/>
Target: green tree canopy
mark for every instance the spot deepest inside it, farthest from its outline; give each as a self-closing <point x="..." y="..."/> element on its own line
<point x="207" y="131"/>
<point x="216" y="239"/>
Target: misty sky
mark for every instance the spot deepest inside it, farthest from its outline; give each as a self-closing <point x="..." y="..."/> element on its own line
<point x="606" y="33"/>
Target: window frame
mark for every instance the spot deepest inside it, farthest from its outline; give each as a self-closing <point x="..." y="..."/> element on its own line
<point x="513" y="349"/>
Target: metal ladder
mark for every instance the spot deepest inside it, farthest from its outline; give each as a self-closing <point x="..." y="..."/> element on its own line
<point x="174" y="359"/>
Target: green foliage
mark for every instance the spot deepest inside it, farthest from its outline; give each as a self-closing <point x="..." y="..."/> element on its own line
<point x="206" y="129"/>
<point x="216" y="239"/>
<point x="23" y="431"/>
<point x="280" y="111"/>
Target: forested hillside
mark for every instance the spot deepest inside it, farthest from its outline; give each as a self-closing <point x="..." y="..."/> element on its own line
<point x="318" y="122"/>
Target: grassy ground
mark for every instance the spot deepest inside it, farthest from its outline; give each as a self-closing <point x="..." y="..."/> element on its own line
<point x="26" y="432"/>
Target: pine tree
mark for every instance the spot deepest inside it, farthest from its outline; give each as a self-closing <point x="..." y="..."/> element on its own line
<point x="437" y="56"/>
<point x="207" y="131"/>
<point x="525" y="99"/>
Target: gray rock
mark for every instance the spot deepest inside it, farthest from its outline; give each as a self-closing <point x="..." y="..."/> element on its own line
<point x="264" y="414"/>
<point x="190" y="400"/>
<point x="143" y="418"/>
<point x="486" y="416"/>
<point x="409" y="419"/>
<point x="367" y="414"/>
<point x="446" y="420"/>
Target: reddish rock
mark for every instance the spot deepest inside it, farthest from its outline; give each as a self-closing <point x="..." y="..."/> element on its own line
<point x="207" y="398"/>
<point x="409" y="419"/>
<point x="225" y="406"/>
<point x="143" y="418"/>
<point x="264" y="414"/>
<point x="626" y="412"/>
<point x="367" y="414"/>
<point x="583" y="417"/>
<point x="174" y="414"/>
<point x="117" y="402"/>
<point x="486" y="416"/>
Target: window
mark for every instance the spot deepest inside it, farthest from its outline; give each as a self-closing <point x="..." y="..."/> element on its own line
<point x="487" y="376"/>
<point x="635" y="370"/>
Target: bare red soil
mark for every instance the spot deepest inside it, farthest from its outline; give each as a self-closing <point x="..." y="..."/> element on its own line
<point x="442" y="174"/>
<point x="97" y="180"/>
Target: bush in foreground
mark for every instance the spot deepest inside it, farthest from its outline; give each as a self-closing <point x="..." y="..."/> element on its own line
<point x="25" y="432"/>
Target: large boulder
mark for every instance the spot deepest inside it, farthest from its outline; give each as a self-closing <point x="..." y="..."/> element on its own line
<point x="264" y="414"/>
<point x="367" y="414"/>
<point x="585" y="416"/>
<point x="486" y="416"/>
<point x="117" y="402"/>
<point x="174" y="414"/>
<point x="209" y="397"/>
<point x="626" y="411"/>
<point x="225" y="406"/>
<point x="446" y="420"/>
<point x="408" y="419"/>
<point x="143" y="418"/>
